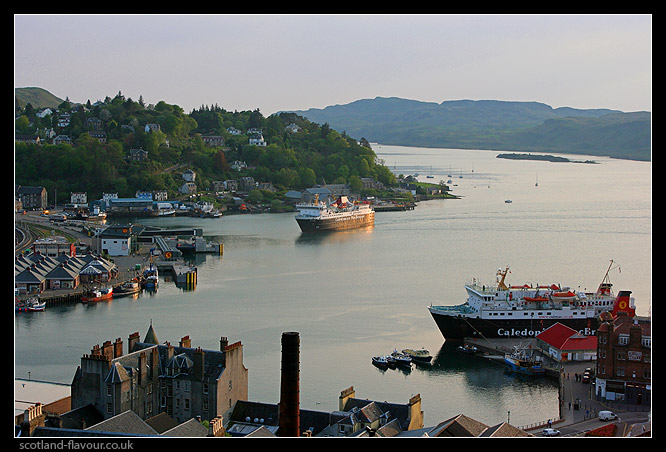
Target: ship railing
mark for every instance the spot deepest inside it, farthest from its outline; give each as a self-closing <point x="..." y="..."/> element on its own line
<point x="461" y="308"/>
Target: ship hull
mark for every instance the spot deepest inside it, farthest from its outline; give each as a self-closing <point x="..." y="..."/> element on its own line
<point x="458" y="328"/>
<point x="336" y="224"/>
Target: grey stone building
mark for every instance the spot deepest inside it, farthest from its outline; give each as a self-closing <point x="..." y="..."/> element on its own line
<point x="181" y="381"/>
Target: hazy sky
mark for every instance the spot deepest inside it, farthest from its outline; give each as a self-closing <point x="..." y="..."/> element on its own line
<point x="296" y="62"/>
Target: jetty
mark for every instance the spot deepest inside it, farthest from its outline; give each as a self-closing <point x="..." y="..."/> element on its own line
<point x="393" y="207"/>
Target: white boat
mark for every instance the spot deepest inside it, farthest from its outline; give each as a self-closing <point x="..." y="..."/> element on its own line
<point x="342" y="214"/>
<point x="164" y="209"/>
<point x="525" y="310"/>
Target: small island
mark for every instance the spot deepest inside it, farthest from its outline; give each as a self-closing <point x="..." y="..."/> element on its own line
<point x="545" y="157"/>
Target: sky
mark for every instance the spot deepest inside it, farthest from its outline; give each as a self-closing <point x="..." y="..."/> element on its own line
<point x="296" y="62"/>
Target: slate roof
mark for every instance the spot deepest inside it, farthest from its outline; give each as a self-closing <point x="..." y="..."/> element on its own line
<point x="459" y="426"/>
<point x="37" y="267"/>
<point x="125" y="422"/>
<point x="190" y="429"/>
<point x="162" y="422"/>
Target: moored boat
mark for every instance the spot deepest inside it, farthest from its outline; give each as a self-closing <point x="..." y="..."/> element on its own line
<point x="418" y="356"/>
<point x="31" y="305"/>
<point x="401" y="359"/>
<point x="339" y="215"/>
<point x="151" y="277"/>
<point x="519" y="362"/>
<point x="467" y="348"/>
<point x="380" y="361"/>
<point x="525" y="310"/>
<point x="97" y="294"/>
<point x="127" y="288"/>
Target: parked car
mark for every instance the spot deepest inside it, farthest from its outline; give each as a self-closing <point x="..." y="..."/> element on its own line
<point x="607" y="416"/>
<point x="550" y="432"/>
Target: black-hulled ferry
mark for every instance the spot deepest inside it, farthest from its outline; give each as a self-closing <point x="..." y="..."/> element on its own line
<point x="339" y="215"/>
<point x="524" y="311"/>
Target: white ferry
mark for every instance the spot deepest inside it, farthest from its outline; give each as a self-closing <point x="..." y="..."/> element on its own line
<point x="342" y="214"/>
<point x="524" y="311"/>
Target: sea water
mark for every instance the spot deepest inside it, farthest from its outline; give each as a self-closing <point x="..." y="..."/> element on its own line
<point x="352" y="295"/>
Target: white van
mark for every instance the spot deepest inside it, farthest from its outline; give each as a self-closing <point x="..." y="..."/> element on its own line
<point x="607" y="415"/>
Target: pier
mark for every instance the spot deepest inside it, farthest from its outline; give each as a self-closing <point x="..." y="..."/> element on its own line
<point x="392" y="207"/>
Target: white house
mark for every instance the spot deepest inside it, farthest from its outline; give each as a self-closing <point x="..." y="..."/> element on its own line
<point x="116" y="240"/>
<point x="78" y="198"/>
<point x="189" y="175"/>
<point x="257" y="140"/>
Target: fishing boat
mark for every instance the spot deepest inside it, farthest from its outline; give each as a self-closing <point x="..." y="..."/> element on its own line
<point x="380" y="361"/>
<point x="97" y="294"/>
<point x="128" y="288"/>
<point x="401" y="359"/>
<point x="418" y="356"/>
<point x="525" y="310"/>
<point x="31" y="305"/>
<point x="339" y="215"/>
<point x="151" y="277"/>
<point x="521" y="363"/>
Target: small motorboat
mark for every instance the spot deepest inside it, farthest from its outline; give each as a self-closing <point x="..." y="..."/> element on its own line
<point x="467" y="348"/>
<point x="418" y="356"/>
<point x="380" y="361"/>
<point x="401" y="359"/>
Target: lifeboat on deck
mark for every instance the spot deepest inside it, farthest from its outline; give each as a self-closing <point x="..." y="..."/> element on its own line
<point x="563" y="296"/>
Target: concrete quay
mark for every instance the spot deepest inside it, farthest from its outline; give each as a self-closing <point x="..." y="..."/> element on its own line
<point x="578" y="408"/>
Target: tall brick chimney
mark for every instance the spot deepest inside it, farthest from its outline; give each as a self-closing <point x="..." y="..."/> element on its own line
<point x="289" y="414"/>
<point x="198" y="364"/>
<point x="118" y="348"/>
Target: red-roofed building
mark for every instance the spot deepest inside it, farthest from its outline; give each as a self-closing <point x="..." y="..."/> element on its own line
<point x="565" y="344"/>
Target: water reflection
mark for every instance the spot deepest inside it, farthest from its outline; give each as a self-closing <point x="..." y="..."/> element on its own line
<point x="334" y="237"/>
<point x="479" y="371"/>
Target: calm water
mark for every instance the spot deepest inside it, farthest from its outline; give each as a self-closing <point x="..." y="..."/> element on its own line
<point x="355" y="294"/>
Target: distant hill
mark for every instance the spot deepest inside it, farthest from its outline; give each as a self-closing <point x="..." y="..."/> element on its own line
<point x="37" y="97"/>
<point x="491" y="124"/>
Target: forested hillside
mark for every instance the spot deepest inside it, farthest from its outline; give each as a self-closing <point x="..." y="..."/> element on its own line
<point x="289" y="160"/>
<point x="495" y="125"/>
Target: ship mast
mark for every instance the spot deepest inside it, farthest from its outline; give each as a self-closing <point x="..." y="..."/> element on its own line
<point x="605" y="286"/>
<point x="500" y="283"/>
